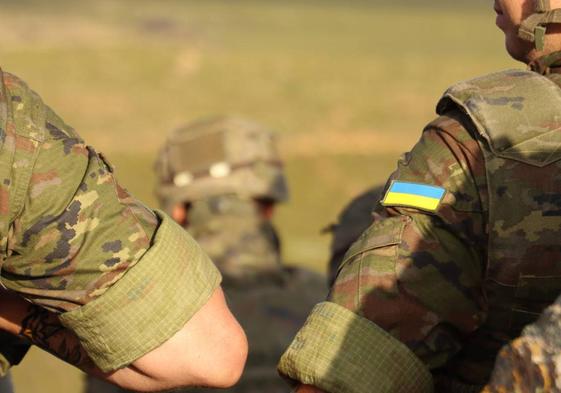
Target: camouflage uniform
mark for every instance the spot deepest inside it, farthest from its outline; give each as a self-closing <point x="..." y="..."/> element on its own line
<point x="461" y="254"/>
<point x="532" y="362"/>
<point x="74" y="242"/>
<point x="352" y="221"/>
<point x="218" y="168"/>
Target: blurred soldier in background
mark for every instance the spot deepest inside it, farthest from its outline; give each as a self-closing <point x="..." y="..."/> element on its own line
<point x="464" y="247"/>
<point x="351" y="222"/>
<point x="221" y="179"/>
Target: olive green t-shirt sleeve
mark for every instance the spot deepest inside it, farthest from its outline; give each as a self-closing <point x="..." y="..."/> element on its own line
<point x="122" y="277"/>
<point x="414" y="274"/>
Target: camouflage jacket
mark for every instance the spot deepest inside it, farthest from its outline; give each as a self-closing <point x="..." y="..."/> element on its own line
<point x="73" y="241"/>
<point x="351" y="222"/>
<point x="532" y="362"/>
<point x="461" y="253"/>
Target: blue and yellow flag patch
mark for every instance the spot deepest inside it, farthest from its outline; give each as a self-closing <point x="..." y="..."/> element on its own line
<point x="419" y="196"/>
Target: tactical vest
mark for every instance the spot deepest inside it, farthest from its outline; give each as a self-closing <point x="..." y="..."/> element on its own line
<point x="517" y="121"/>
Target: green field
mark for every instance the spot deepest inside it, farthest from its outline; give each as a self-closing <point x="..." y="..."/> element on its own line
<point x="348" y="84"/>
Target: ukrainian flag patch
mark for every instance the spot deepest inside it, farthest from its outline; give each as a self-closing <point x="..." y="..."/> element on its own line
<point x="419" y="196"/>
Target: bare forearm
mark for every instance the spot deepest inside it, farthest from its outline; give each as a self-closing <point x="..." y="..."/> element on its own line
<point x="43" y="329"/>
<point x="186" y="359"/>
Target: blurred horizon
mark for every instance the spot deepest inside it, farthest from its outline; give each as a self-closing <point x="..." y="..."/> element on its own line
<point x="348" y="85"/>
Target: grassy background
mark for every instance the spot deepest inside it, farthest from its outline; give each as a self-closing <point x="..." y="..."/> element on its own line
<point x="348" y="84"/>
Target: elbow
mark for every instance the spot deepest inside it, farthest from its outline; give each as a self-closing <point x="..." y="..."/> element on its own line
<point x="231" y="361"/>
<point x="210" y="351"/>
<point x="217" y="366"/>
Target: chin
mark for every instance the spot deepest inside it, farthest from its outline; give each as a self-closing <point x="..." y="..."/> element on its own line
<point x="518" y="49"/>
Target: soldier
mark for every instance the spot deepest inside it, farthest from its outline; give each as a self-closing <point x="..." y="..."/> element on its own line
<point x="532" y="362"/>
<point x="463" y="251"/>
<point x="93" y="276"/>
<point x="352" y="221"/>
<point x="221" y="179"/>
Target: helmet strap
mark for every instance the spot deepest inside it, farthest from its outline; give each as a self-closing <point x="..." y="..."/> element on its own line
<point x="544" y="64"/>
<point x="533" y="28"/>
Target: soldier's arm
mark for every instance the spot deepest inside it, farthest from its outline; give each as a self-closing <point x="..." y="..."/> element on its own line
<point x="202" y="353"/>
<point x="127" y="283"/>
<point x="409" y="289"/>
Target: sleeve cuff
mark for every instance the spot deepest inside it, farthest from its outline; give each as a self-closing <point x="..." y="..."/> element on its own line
<point x="341" y="352"/>
<point x="150" y="303"/>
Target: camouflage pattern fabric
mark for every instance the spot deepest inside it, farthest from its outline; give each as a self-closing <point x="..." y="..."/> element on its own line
<point x="235" y="236"/>
<point x="69" y="233"/>
<point x="532" y="362"/>
<point x="456" y="283"/>
<point x="352" y="221"/>
<point x="270" y="301"/>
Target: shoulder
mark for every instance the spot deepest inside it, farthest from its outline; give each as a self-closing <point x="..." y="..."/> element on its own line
<point x="28" y="116"/>
<point x="514" y="112"/>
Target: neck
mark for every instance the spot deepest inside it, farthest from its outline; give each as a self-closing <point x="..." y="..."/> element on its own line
<point x="547" y="64"/>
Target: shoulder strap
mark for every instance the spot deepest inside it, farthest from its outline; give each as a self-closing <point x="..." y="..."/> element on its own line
<point x="517" y="112"/>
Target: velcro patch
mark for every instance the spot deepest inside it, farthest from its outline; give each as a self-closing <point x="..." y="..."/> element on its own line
<point x="419" y="196"/>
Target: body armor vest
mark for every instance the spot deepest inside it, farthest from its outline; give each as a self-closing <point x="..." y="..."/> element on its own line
<point x="517" y="121"/>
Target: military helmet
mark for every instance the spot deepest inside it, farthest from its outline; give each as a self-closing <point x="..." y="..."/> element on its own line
<point x="217" y="156"/>
<point x="533" y="28"/>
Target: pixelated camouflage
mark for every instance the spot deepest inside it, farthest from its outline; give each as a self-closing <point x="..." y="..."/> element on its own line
<point x="351" y="222"/>
<point x="457" y="285"/>
<point x="34" y="225"/>
<point x="219" y="156"/>
<point x="532" y="362"/>
<point x="54" y="228"/>
<point x="69" y="233"/>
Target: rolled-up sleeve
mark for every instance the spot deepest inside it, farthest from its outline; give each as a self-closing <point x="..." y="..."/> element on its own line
<point x="150" y="303"/>
<point x="122" y="277"/>
<point x="333" y="348"/>
<point x="410" y="288"/>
